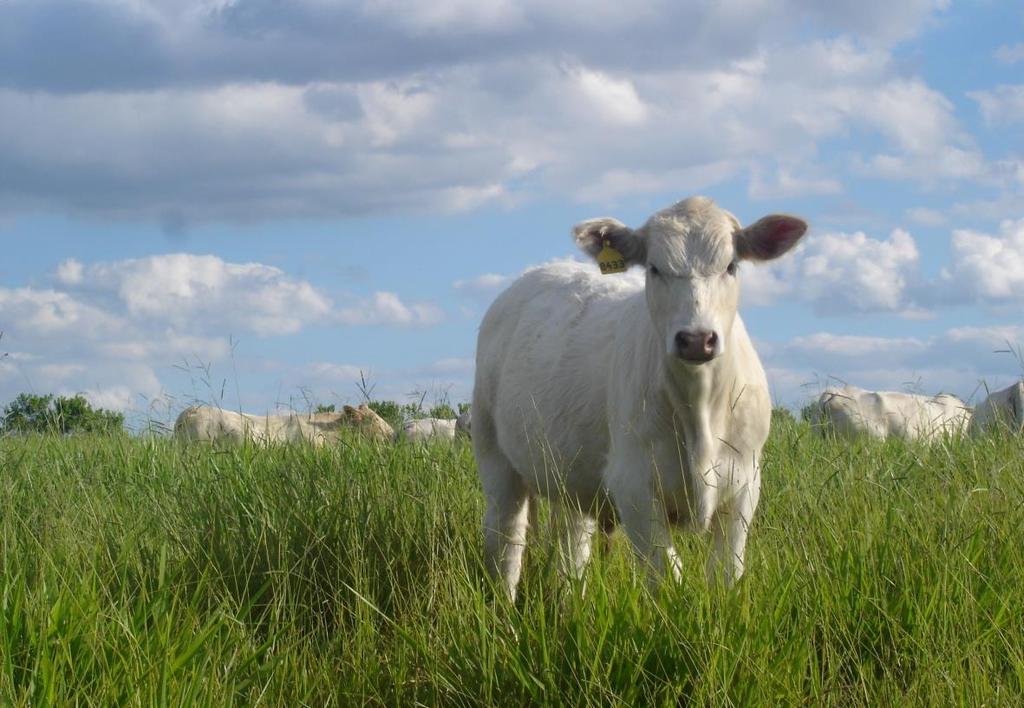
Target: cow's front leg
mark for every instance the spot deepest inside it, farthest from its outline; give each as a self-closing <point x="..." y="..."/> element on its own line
<point x="642" y="514"/>
<point x="730" y="526"/>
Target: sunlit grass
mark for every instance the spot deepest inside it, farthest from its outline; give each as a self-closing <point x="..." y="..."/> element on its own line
<point x="141" y="571"/>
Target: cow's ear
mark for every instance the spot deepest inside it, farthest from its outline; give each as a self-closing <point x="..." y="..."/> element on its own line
<point x="769" y="237"/>
<point x="349" y="410"/>
<point x="591" y="235"/>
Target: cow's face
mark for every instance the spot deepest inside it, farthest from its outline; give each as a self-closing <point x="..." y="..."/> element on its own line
<point x="691" y="252"/>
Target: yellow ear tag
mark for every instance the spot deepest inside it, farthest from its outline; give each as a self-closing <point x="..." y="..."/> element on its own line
<point x="610" y="260"/>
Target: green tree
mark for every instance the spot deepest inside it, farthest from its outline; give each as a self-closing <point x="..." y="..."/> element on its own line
<point x="442" y="410"/>
<point x="27" y="412"/>
<point x="30" y="413"/>
<point x="389" y="411"/>
<point x="324" y="408"/>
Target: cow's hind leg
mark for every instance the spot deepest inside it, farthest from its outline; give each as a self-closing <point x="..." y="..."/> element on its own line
<point x="507" y="514"/>
<point x="575" y="537"/>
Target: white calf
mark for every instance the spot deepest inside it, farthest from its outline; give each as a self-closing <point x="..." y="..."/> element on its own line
<point x="646" y="391"/>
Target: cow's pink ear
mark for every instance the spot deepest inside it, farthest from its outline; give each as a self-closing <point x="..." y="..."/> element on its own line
<point x="592" y="234"/>
<point x="769" y="237"/>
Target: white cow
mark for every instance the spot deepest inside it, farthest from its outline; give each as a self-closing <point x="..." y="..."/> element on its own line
<point x="647" y="392"/>
<point x="424" y="429"/>
<point x="464" y="423"/>
<point x="211" y="424"/>
<point x="1004" y="407"/>
<point x="849" y="411"/>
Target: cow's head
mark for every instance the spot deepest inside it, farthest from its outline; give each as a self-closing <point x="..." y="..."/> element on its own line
<point x="690" y="251"/>
<point x="365" y="420"/>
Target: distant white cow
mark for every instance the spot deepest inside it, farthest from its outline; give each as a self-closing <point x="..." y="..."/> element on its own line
<point x="211" y="424"/>
<point x="464" y="423"/>
<point x="1004" y="407"/>
<point x="365" y="421"/>
<point x="424" y="429"/>
<point x="849" y="411"/>
<point x="645" y="391"/>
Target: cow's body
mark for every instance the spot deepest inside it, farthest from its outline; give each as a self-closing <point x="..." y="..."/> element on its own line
<point x="1005" y="407"/>
<point x="850" y="412"/>
<point x="588" y="392"/>
<point x="216" y="425"/>
<point x="209" y="424"/>
<point x="424" y="429"/>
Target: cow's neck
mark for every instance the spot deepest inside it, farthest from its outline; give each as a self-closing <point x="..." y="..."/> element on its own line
<point x="693" y="395"/>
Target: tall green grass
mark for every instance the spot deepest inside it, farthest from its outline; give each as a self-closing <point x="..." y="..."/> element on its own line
<point x="140" y="572"/>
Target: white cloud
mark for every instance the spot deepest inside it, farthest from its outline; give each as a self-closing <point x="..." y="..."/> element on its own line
<point x="957" y="360"/>
<point x="253" y="110"/>
<point x="70" y="272"/>
<point x="839" y="273"/>
<point x="184" y="289"/>
<point x="386" y="308"/>
<point x="1010" y="53"/>
<point x="926" y="216"/>
<point x="988" y="268"/>
<point x="790" y="182"/>
<point x="117" y="398"/>
<point x="1002" y="105"/>
<point x="346" y="373"/>
<point x="611" y="99"/>
<point x="482" y="287"/>
<point x="449" y="378"/>
<point x="114" y="330"/>
<point x="451" y="366"/>
<point x="53" y="314"/>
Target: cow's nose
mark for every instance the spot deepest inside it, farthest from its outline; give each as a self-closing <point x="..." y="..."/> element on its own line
<point x="697" y="345"/>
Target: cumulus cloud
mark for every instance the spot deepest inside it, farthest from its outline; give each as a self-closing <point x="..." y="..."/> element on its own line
<point x="1001" y="105"/>
<point x="386" y="308"/>
<point x="1010" y="53"/>
<point x="987" y="268"/>
<point x="331" y="372"/>
<point x="840" y="273"/>
<point x="788" y="182"/>
<point x="482" y="287"/>
<point x="183" y="289"/>
<point x="450" y="378"/>
<point x="960" y="360"/>
<point x="106" y="329"/>
<point x="252" y="109"/>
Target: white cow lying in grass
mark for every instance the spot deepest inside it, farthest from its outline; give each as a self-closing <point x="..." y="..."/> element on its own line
<point x="850" y="411"/>
<point x="424" y="429"/>
<point x="647" y="392"/>
<point x="210" y="424"/>
<point x="1004" y="407"/>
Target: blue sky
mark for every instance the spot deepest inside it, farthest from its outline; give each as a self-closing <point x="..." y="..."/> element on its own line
<point x="284" y="195"/>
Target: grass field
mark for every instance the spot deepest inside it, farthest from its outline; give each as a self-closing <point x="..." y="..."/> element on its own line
<point x="141" y="572"/>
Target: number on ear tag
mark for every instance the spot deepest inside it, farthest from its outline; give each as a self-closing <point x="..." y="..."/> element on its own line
<point x="610" y="260"/>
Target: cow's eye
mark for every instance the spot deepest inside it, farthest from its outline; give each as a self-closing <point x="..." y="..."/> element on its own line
<point x="653" y="270"/>
<point x="731" y="270"/>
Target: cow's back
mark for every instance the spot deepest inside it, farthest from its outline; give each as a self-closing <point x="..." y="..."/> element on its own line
<point x="543" y="366"/>
<point x="423" y="429"/>
<point x="852" y="411"/>
<point x="210" y="424"/>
